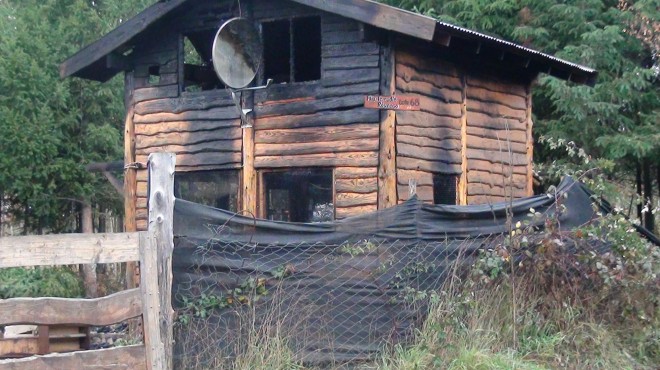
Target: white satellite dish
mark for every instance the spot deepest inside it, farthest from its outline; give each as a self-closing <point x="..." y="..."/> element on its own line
<point x="237" y="52"/>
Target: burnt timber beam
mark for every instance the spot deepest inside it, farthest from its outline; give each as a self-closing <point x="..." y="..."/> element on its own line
<point x="106" y="169"/>
<point x="114" y="181"/>
<point x="387" y="176"/>
<point x="105" y="166"/>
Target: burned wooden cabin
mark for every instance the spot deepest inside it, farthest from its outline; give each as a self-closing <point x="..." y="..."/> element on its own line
<point x="317" y="148"/>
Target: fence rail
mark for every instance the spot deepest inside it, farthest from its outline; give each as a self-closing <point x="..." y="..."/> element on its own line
<point x="151" y="302"/>
<point x="130" y="357"/>
<point x="68" y="249"/>
<point x="103" y="311"/>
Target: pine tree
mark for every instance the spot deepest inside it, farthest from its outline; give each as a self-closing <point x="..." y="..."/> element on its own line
<point x="51" y="128"/>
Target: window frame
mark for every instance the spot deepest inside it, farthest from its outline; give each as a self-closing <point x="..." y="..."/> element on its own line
<point x="207" y="69"/>
<point x="292" y="48"/>
<point x="262" y="208"/>
<point x="456" y="179"/>
<point x="239" y="182"/>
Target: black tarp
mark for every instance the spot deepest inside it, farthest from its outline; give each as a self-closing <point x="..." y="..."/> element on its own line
<point x="350" y="286"/>
<point x="410" y="220"/>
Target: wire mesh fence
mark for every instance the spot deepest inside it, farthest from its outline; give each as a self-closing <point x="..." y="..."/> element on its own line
<point x="332" y="293"/>
<point x="325" y="304"/>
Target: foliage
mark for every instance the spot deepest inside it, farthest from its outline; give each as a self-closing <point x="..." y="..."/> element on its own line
<point x="49" y="127"/>
<point x="40" y="282"/>
<point x="248" y="293"/>
<point x="551" y="298"/>
<point x="361" y="248"/>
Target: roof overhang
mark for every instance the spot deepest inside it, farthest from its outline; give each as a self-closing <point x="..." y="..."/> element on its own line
<point x="103" y="59"/>
<point x="93" y="62"/>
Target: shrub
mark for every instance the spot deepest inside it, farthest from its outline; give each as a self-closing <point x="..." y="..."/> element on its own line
<point x="40" y="282"/>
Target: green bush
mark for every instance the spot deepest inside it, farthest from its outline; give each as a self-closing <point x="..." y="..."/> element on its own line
<point x="40" y="282"/>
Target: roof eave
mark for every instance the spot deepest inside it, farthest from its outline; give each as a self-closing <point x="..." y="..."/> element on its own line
<point x="97" y="61"/>
<point x="93" y="54"/>
<point x="546" y="63"/>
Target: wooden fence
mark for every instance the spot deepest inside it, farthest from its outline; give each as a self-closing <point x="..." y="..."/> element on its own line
<point x="151" y="302"/>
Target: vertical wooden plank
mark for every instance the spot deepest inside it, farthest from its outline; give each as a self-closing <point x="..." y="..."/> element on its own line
<point x="249" y="174"/>
<point x="463" y="180"/>
<point x="88" y="270"/>
<point x="43" y="340"/>
<point x="154" y="347"/>
<point x="181" y="55"/>
<point x="130" y="174"/>
<point x="530" y="144"/>
<point x="387" y="188"/>
<point x="130" y="177"/>
<point x="156" y="263"/>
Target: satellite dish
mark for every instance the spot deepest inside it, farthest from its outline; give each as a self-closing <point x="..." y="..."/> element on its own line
<point x="237" y="52"/>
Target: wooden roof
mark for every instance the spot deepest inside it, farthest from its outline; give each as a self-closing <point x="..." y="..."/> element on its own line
<point x="103" y="59"/>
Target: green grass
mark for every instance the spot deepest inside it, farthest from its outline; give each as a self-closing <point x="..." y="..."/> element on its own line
<point x="498" y="327"/>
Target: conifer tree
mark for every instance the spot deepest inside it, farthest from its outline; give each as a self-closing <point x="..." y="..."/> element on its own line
<point x="51" y="128"/>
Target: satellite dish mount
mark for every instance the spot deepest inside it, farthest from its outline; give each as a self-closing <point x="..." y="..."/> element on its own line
<point x="237" y="52"/>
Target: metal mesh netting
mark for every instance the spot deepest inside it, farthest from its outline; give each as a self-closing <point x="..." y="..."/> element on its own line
<point x="328" y="293"/>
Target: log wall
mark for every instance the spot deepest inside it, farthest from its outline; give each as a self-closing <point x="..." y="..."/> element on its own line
<point x="497" y="136"/>
<point x="311" y="124"/>
<point x="493" y="143"/>
<point x="324" y="124"/>
<point x="429" y="140"/>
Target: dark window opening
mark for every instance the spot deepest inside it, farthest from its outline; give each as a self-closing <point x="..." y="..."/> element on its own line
<point x="307" y="49"/>
<point x="277" y="51"/>
<point x="444" y="188"/>
<point x="292" y="50"/>
<point x="304" y="195"/>
<point x="198" y="73"/>
<point x="219" y="189"/>
<point x="154" y="75"/>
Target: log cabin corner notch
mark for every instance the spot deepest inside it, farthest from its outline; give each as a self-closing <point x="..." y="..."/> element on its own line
<point x="315" y="152"/>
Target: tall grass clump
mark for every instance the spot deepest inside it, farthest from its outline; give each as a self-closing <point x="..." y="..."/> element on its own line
<point x="580" y="299"/>
<point x="262" y="326"/>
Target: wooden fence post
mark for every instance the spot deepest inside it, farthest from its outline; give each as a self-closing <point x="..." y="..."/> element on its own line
<point x="156" y="249"/>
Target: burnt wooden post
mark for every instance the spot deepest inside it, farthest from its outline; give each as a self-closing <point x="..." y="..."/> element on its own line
<point x="387" y="177"/>
<point x="130" y="192"/>
<point x="249" y="172"/>
<point x="530" y="145"/>
<point x="156" y="263"/>
<point x="130" y="175"/>
<point x="463" y="180"/>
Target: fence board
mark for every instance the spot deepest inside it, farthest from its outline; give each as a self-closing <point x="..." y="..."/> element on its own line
<point x="156" y="249"/>
<point x="78" y="312"/>
<point x="125" y="358"/>
<point x="68" y="249"/>
<point x="19" y="346"/>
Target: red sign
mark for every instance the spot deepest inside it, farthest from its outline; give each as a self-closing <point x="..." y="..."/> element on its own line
<point x="394" y="102"/>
